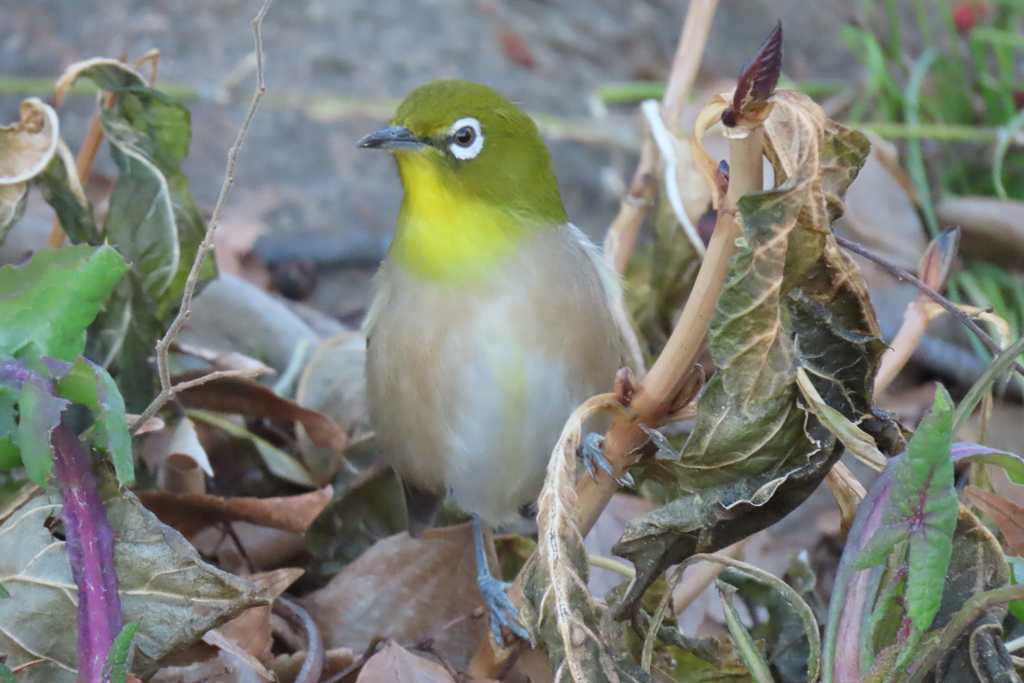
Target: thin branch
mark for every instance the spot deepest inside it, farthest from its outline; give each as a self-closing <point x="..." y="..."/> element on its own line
<point x="219" y="374"/>
<point x="163" y="346"/>
<point x="901" y="274"/>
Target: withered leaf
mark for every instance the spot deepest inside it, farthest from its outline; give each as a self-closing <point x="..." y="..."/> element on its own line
<point x="395" y="664"/>
<point x="190" y="513"/>
<point x="791" y="299"/>
<point x="244" y="396"/>
<point x="429" y="581"/>
<point x="249" y="634"/>
<point x="164" y="585"/>
<point x="1008" y="516"/>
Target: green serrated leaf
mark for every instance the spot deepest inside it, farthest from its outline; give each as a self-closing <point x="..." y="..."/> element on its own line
<point x="922" y="509"/>
<point x="90" y="385"/>
<point x="6" y="675"/>
<point x="115" y="670"/>
<point x="48" y="303"/>
<point x="40" y="413"/>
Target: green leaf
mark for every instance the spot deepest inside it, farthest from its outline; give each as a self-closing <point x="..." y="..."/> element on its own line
<point x="115" y="670"/>
<point x="40" y="413"/>
<point x="48" y="303"/>
<point x="10" y="456"/>
<point x="1016" y="607"/>
<point x="156" y="223"/>
<point x="922" y="509"/>
<point x="3" y="592"/>
<point x="90" y="385"/>
<point x="752" y="656"/>
<point x="69" y="201"/>
<point x="6" y="675"/>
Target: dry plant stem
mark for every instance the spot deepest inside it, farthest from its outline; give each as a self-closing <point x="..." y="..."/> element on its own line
<point x="295" y="615"/>
<point x="906" y="341"/>
<point x="901" y="274"/>
<point x="687" y="60"/>
<point x="624" y="230"/>
<point x="661" y="386"/>
<point x="86" y="157"/>
<point x="162" y="346"/>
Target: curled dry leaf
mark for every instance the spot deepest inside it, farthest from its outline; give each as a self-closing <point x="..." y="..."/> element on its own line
<point x="791" y="300"/>
<point x="109" y="74"/>
<point x="190" y="513"/>
<point x="26" y="148"/>
<point x="395" y="664"/>
<point x="557" y="607"/>
<point x="405" y="589"/>
<point x="242" y="396"/>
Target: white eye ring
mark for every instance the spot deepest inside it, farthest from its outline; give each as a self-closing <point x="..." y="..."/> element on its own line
<point x="474" y="135"/>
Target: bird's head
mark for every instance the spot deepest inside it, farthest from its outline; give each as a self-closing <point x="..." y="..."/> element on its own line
<point x="467" y="140"/>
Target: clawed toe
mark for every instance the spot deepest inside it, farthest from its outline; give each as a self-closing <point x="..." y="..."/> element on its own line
<point x="593" y="458"/>
<point x="502" y="611"/>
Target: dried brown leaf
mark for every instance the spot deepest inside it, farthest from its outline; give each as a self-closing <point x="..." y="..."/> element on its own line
<point x="1008" y="516"/>
<point x="28" y="146"/>
<point x="248" y="636"/>
<point x="190" y="513"/>
<point x="246" y="397"/>
<point x="395" y="664"/>
<point x="405" y="589"/>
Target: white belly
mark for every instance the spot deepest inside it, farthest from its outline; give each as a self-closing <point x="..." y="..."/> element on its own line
<point x="469" y="386"/>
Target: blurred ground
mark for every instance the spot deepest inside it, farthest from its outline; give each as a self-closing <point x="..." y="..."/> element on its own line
<point x="300" y="174"/>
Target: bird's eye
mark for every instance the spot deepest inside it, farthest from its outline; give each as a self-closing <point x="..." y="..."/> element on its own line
<point x="464" y="136"/>
<point x="467" y="138"/>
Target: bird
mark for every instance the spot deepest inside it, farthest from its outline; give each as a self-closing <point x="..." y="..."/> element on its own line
<point x="491" y="317"/>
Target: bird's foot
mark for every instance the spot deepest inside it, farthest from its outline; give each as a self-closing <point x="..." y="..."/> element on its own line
<point x="593" y="459"/>
<point x="500" y="608"/>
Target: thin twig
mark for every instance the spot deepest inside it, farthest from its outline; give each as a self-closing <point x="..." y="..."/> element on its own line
<point x="901" y="274"/>
<point x="162" y="346"/>
<point x="219" y="374"/>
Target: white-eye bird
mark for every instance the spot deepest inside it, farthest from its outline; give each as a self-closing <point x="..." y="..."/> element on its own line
<point x="491" y="317"/>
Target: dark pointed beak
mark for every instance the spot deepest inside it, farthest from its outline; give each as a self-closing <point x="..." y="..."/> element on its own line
<point x="395" y="137"/>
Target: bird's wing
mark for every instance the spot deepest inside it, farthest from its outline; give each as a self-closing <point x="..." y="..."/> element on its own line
<point x="611" y="282"/>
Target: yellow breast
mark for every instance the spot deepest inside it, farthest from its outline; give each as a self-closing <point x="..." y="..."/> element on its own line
<point x="443" y="233"/>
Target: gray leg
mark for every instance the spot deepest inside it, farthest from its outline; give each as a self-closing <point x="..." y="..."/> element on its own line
<point x="502" y="611"/>
<point x="593" y="458"/>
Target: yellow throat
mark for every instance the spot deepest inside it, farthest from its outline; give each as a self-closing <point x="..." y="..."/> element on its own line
<point x="445" y="234"/>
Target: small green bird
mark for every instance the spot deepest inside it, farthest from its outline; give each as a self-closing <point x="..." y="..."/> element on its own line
<point x="491" y="318"/>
